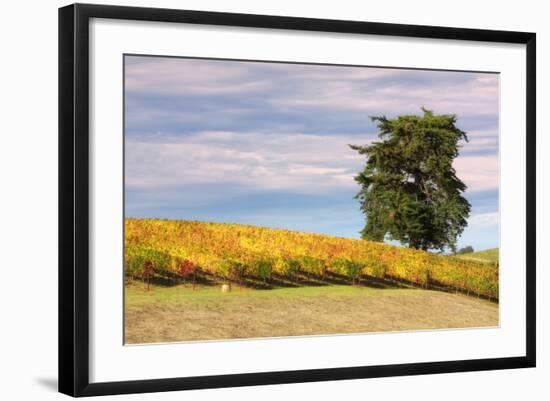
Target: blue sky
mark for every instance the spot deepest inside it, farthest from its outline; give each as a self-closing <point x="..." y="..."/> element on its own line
<point x="266" y="143"/>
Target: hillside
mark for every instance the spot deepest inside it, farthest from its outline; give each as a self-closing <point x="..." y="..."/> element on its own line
<point x="266" y="258"/>
<point x="488" y="255"/>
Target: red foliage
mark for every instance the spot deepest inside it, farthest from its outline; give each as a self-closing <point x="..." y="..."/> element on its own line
<point x="186" y="268"/>
<point x="147" y="269"/>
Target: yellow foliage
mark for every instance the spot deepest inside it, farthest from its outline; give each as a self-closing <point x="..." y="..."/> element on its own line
<point x="208" y="245"/>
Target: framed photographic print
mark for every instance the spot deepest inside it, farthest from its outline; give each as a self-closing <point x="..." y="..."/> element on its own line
<point x="251" y="199"/>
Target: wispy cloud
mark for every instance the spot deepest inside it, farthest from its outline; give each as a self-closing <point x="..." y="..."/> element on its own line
<point x="164" y="94"/>
<point x="479" y="173"/>
<point x="484" y="220"/>
<point x="297" y="162"/>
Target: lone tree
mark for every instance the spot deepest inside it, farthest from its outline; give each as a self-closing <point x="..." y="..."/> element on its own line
<point x="466" y="249"/>
<point x="409" y="188"/>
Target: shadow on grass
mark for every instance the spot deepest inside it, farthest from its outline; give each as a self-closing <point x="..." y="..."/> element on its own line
<point x="163" y="278"/>
<point x="302" y="279"/>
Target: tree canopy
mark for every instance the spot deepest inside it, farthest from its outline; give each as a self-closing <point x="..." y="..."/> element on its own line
<point x="466" y="249"/>
<point x="409" y="188"/>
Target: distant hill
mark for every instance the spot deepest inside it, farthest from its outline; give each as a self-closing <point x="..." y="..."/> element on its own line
<point x="488" y="255"/>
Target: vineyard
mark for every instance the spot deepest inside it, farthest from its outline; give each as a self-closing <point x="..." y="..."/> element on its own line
<point x="248" y="255"/>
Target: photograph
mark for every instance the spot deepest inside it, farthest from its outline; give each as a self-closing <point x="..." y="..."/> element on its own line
<point x="269" y="199"/>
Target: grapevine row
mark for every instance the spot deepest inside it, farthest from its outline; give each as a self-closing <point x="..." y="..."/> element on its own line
<point x="235" y="251"/>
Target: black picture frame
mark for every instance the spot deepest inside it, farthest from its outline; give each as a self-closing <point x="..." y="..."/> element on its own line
<point x="74" y="198"/>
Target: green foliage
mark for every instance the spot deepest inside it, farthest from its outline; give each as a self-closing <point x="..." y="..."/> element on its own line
<point x="263" y="268"/>
<point x="136" y="259"/>
<point x="339" y="266"/>
<point x="409" y="188"/>
<point x="377" y="269"/>
<point x="351" y="269"/>
<point x="312" y="265"/>
<point x="231" y="269"/>
<point x="287" y="267"/>
<point x="466" y="249"/>
<point x="374" y="264"/>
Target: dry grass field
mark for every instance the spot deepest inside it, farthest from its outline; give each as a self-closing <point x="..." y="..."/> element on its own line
<point x="179" y="313"/>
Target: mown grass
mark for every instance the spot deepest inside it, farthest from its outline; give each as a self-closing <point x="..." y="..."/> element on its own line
<point x="179" y="313"/>
<point x="137" y="293"/>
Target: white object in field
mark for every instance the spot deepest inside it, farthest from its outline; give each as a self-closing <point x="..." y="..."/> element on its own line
<point x="226" y="287"/>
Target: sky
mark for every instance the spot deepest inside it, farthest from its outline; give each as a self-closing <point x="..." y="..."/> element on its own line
<point x="267" y="143"/>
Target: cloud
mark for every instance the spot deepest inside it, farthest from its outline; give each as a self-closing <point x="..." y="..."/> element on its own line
<point x="484" y="220"/>
<point x="168" y="76"/>
<point x="479" y="173"/>
<point x="207" y="77"/>
<point x="444" y="92"/>
<point x="297" y="162"/>
<point x="164" y="94"/>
